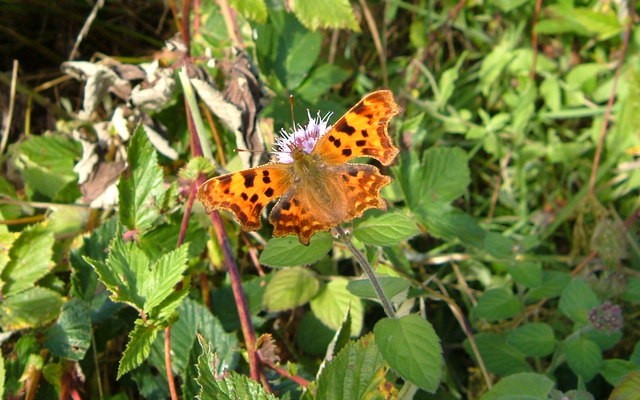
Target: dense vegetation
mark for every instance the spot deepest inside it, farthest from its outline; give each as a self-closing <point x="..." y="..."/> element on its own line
<point x="509" y="250"/>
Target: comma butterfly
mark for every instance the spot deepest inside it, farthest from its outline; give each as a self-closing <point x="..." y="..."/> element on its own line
<point x="317" y="187"/>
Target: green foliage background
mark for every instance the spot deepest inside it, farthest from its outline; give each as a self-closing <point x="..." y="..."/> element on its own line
<point x="510" y="248"/>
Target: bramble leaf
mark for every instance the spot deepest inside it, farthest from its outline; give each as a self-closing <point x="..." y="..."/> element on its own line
<point x="336" y="14"/>
<point x="70" y="337"/>
<point x="141" y="185"/>
<point x="29" y="260"/>
<point x="232" y="386"/>
<point x="357" y="372"/>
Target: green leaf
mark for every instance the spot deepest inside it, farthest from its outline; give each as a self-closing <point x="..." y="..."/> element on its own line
<point x="287" y="251"/>
<point x="524" y="385"/>
<point x="2" y="375"/>
<point x="497" y="304"/>
<point x="159" y="280"/>
<point x="533" y="339"/>
<point x="290" y="288"/>
<point x="312" y="336"/>
<point x="255" y="10"/>
<point x="499" y="357"/>
<point x="528" y="274"/>
<point x="193" y="319"/>
<point x="583" y="356"/>
<point x="286" y="48"/>
<point x="384" y="229"/>
<point x="84" y="279"/>
<point x="632" y="292"/>
<point x="391" y="286"/>
<point x="498" y="245"/>
<point x="553" y="283"/>
<point x="134" y="279"/>
<point x="140" y="340"/>
<point x="333" y="302"/>
<point x="29" y="309"/>
<point x="123" y="272"/>
<point x="165" y="236"/>
<point x="604" y="24"/>
<point x="232" y="386"/>
<point x="449" y="223"/>
<point x="446" y="175"/>
<point x="551" y="93"/>
<point x="29" y="260"/>
<point x="7" y="239"/>
<point x="356" y="372"/>
<point x="196" y="166"/>
<point x="577" y="300"/>
<point x="412" y="348"/>
<point x="47" y="163"/>
<point x="301" y="57"/>
<point x="165" y="310"/>
<point x="628" y="388"/>
<point x="614" y="370"/>
<point x="321" y="80"/>
<point x="70" y="337"/>
<point x="336" y="14"/>
<point x="495" y="62"/>
<point x="141" y="185"/>
<point x="447" y="82"/>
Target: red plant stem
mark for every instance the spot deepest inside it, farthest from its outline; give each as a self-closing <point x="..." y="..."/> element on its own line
<point x="167" y="331"/>
<point x="185" y="25"/>
<point x="283" y="372"/>
<point x="238" y="295"/>
<point x="167" y="363"/>
<point x="234" y="275"/>
<point x="184" y="225"/>
<point x="534" y="39"/>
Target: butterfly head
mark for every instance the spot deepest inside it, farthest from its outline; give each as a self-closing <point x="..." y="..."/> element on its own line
<point x="301" y="140"/>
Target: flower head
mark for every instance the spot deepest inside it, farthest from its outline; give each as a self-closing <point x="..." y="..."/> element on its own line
<point x="302" y="138"/>
<point x="606" y="317"/>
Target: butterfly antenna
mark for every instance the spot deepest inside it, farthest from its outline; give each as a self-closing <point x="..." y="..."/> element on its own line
<point x="292" y="102"/>
<point x="249" y="151"/>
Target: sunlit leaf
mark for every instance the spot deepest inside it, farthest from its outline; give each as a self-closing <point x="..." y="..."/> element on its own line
<point x="422" y="365"/>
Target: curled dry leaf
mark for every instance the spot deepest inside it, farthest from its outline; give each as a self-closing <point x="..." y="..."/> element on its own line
<point x="238" y="106"/>
<point x="99" y="79"/>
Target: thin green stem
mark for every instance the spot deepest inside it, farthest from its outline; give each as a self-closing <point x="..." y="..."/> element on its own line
<point x="386" y="304"/>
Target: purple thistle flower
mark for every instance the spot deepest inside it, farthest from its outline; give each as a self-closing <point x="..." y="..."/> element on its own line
<point x="302" y="138"/>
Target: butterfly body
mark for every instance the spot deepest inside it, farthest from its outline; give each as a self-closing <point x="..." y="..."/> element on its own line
<point x="317" y="189"/>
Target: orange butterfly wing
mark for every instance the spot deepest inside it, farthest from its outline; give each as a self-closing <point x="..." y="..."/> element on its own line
<point x="353" y="188"/>
<point x="361" y="132"/>
<point x="246" y="193"/>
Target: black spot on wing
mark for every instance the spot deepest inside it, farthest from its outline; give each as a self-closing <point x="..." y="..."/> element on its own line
<point x="360" y="108"/>
<point x="248" y="179"/>
<point x="344" y="127"/>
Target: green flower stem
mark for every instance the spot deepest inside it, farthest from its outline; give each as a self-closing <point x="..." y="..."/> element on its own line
<point x="192" y="104"/>
<point x="386" y="304"/>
